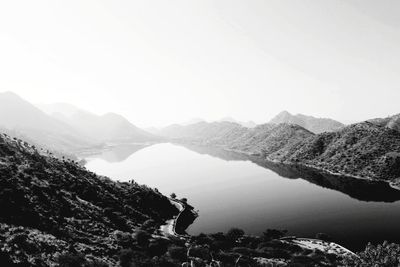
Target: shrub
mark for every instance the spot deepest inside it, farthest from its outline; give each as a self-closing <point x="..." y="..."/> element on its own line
<point x="384" y="255"/>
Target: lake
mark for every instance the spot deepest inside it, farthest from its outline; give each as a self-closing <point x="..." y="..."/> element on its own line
<point x="234" y="190"/>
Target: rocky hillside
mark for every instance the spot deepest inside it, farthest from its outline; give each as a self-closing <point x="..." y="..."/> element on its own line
<point x="50" y="207"/>
<point x="366" y="150"/>
<point x="263" y="139"/>
<point x="315" y="125"/>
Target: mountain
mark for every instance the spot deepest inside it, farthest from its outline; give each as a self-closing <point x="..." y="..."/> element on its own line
<point x="21" y="117"/>
<point x="265" y="138"/>
<point x="315" y="125"/>
<point x="364" y="150"/>
<point x="369" y="150"/>
<point x="109" y="127"/>
<point x="209" y="132"/>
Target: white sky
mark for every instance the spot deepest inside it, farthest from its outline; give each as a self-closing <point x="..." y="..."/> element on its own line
<point x="159" y="62"/>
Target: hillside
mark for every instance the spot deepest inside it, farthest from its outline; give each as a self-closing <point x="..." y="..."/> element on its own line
<point x="208" y="132"/>
<point x="364" y="149"/>
<point x="392" y="122"/>
<point x="263" y="139"/>
<point x="315" y="125"/>
<point x="266" y="139"/>
<point x="109" y="127"/>
<point x="48" y="205"/>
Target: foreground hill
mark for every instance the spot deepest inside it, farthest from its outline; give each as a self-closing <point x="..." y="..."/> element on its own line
<point x="110" y="127"/>
<point x="24" y="119"/>
<point x="50" y="207"/>
<point x="315" y="125"/>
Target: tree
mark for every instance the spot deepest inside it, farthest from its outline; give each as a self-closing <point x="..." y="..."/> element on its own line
<point x="173" y="195"/>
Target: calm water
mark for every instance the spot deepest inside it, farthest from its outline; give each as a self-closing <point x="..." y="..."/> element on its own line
<point x="230" y="190"/>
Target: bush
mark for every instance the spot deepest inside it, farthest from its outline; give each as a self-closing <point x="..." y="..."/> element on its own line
<point x="384" y="255"/>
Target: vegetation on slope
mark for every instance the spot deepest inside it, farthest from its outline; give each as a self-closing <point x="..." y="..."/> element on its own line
<point x="366" y="150"/>
<point x="50" y="205"/>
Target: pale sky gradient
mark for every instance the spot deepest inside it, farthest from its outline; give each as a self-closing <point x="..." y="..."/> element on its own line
<point x="159" y="62"/>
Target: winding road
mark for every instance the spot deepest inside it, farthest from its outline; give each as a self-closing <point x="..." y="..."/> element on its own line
<point x="170" y="227"/>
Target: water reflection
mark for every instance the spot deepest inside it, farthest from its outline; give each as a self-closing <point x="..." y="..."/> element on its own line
<point x="233" y="190"/>
<point x="119" y="153"/>
<point x="359" y="189"/>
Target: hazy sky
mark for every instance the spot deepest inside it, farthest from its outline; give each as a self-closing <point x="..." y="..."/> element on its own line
<point x="158" y="62"/>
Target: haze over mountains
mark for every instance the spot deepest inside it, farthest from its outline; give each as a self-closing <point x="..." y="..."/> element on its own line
<point x="68" y="129"/>
<point x="110" y="127"/>
<point x="26" y="120"/>
<point x="367" y="149"/>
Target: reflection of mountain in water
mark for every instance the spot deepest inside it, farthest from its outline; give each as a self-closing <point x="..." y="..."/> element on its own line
<point x="120" y="153"/>
<point x="363" y="190"/>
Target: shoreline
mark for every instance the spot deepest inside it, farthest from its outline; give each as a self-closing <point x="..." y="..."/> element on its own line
<point x="169" y="229"/>
<point x="393" y="184"/>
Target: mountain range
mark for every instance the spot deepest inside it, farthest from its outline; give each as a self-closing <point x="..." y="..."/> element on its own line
<point x="67" y="129"/>
<point x="110" y="127"/>
<point x="369" y="150"/>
